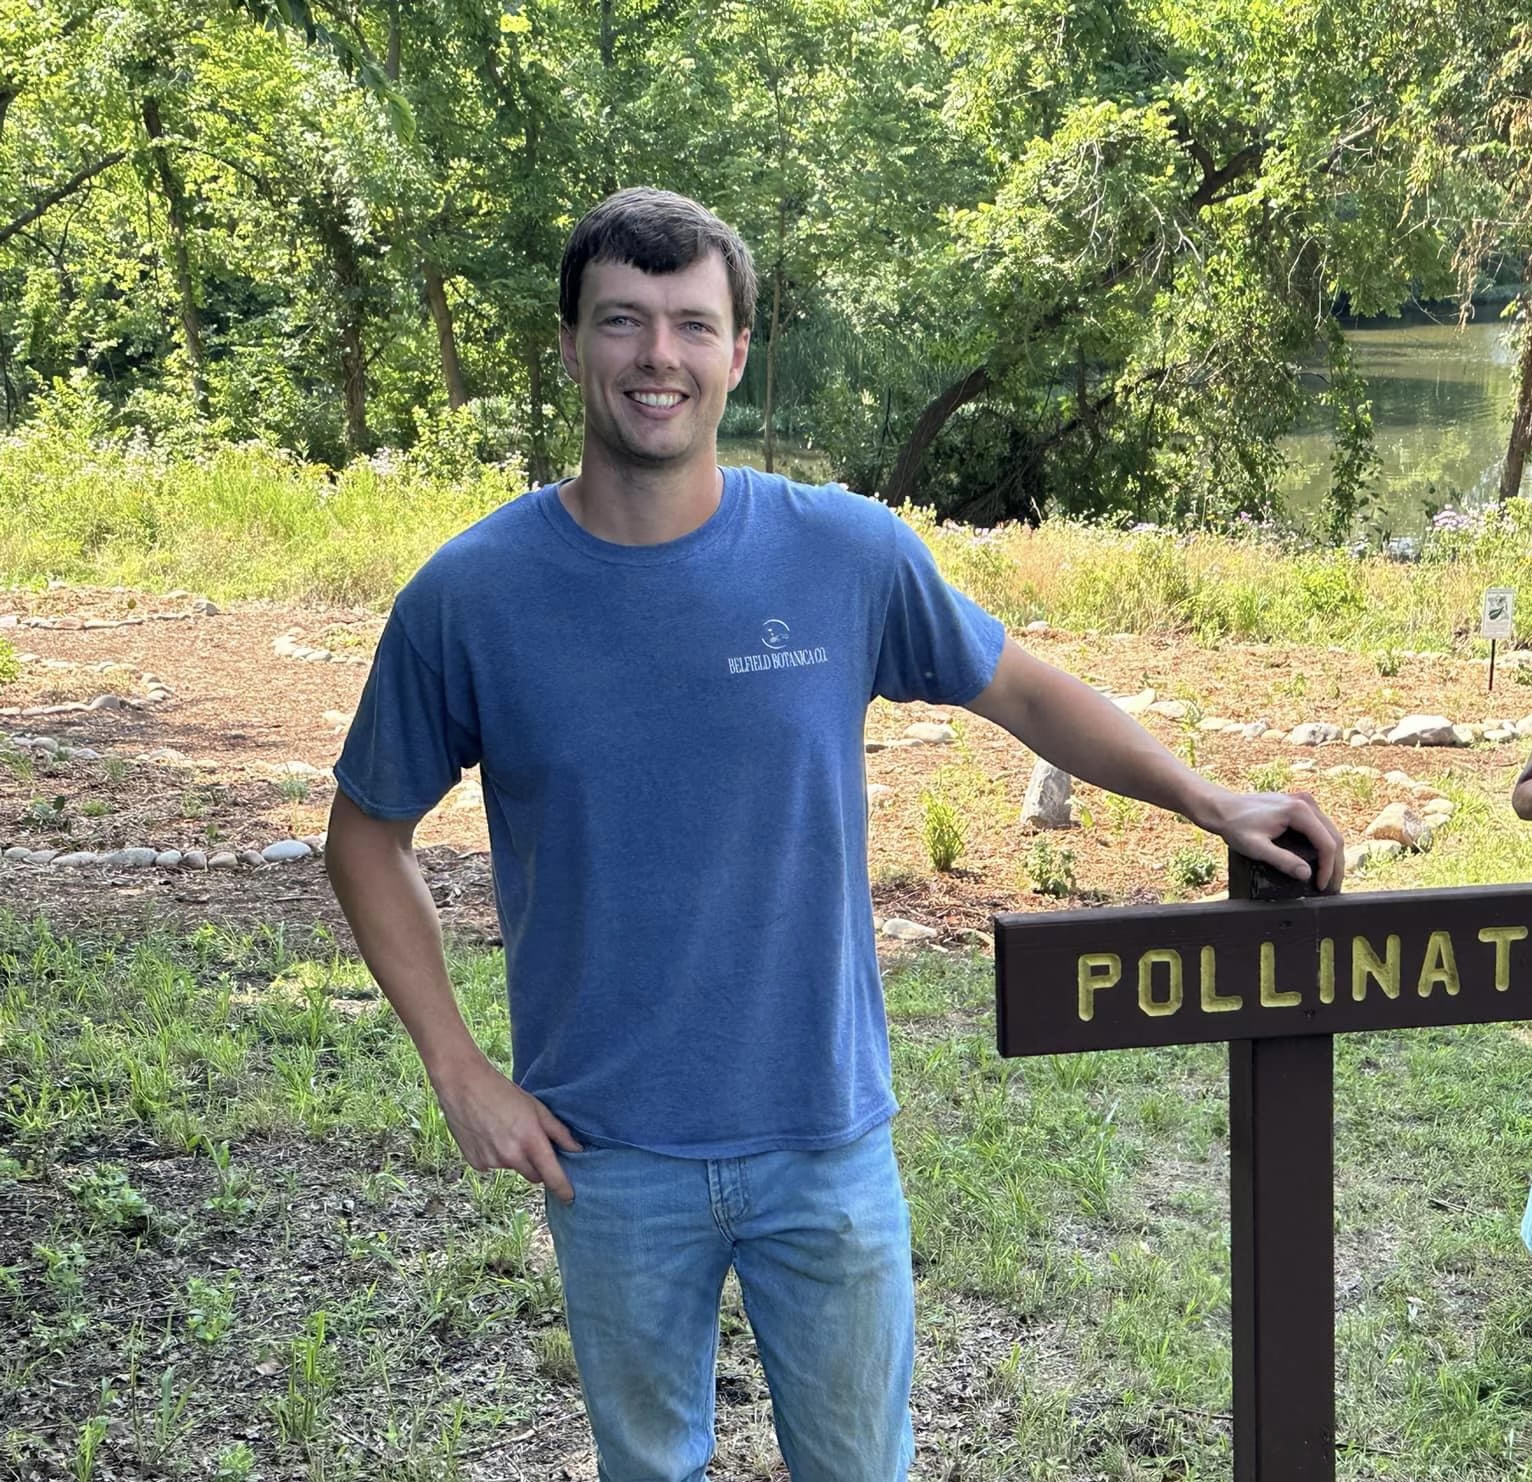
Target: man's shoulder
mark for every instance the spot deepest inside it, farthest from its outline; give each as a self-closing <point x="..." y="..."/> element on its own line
<point x="824" y="507"/>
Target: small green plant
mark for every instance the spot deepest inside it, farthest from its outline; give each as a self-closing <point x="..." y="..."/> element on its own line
<point x="50" y="813"/>
<point x="1125" y="813"/>
<point x="300" y="1413"/>
<point x="63" y="1271"/>
<point x="1190" y="868"/>
<point x="235" y="1463"/>
<point x="1270" y="777"/>
<point x="10" y="665"/>
<point x="193" y="805"/>
<point x="293" y="789"/>
<point x="233" y="1197"/>
<point x="115" y="768"/>
<point x="111" y="1202"/>
<point x="1051" y="868"/>
<point x="212" y="833"/>
<point x="555" y="1354"/>
<point x="20" y="765"/>
<point x="95" y="808"/>
<point x="1387" y="661"/>
<point x="87" y="1445"/>
<point x="943" y="830"/>
<point x="1295" y="686"/>
<point x="210" y="1307"/>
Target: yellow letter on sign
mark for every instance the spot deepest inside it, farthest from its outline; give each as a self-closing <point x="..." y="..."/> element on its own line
<point x="1146" y="965"/>
<point x="1440" y="966"/>
<point x="1095" y="971"/>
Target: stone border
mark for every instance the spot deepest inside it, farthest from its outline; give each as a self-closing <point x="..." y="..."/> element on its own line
<point x="139" y="857"/>
<point x="287" y="646"/>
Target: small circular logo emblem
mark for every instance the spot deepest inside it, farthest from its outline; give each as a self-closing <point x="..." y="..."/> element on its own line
<point x="774" y="633"/>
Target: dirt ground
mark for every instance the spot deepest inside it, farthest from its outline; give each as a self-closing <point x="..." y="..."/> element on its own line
<point x="235" y="756"/>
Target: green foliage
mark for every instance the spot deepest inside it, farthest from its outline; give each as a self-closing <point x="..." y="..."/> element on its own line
<point x="1051" y="868"/>
<point x="10" y="666"/>
<point x="1190" y="868"/>
<point x="943" y="830"/>
<point x="110" y="1202"/>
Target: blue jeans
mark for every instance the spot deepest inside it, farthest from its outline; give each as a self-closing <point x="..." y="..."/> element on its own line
<point x="820" y="1242"/>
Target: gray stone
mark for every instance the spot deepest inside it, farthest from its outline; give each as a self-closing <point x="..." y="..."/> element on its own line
<point x="105" y="702"/>
<point x="159" y="695"/>
<point x="299" y="769"/>
<point x="168" y="859"/>
<point x="250" y="857"/>
<point x="1313" y="733"/>
<point x="316" y="842"/>
<point x="931" y="731"/>
<point x="1038" y="627"/>
<point x="871" y="746"/>
<point x="1524" y="726"/>
<point x="285" y="647"/>
<point x="1049" y="790"/>
<point x="224" y="859"/>
<point x="41" y="856"/>
<point x="194" y="859"/>
<point x="45" y="743"/>
<point x="1135" y="704"/>
<point x="1423" y="730"/>
<point x="1358" y="739"/>
<point x="1499" y="735"/>
<point x="86" y="754"/>
<point x="1170" y="709"/>
<point x="284" y="850"/>
<point x="1403" y="825"/>
<point x="1214" y="723"/>
<point x="908" y="931"/>
<point x="17" y="851"/>
<point x="878" y="792"/>
<point x="206" y="608"/>
<point x="129" y="859"/>
<point x="78" y="859"/>
<point x="1465" y="735"/>
<point x="1255" y="730"/>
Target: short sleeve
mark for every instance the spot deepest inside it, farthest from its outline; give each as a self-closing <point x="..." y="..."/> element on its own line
<point x="406" y="747"/>
<point x="937" y="644"/>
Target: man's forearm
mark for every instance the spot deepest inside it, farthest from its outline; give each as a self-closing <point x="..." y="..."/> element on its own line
<point x="389" y="907"/>
<point x="1521" y="794"/>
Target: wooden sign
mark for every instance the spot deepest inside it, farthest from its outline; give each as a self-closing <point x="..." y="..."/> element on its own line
<point x="1276" y="977"/>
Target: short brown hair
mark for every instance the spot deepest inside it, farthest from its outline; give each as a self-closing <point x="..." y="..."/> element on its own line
<point x="655" y="231"/>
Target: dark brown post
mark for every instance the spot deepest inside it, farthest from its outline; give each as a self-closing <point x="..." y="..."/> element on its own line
<point x="1282" y="1234"/>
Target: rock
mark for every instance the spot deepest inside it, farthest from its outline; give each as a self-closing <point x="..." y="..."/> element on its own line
<point x="1305" y="765"/>
<point x="1358" y="739"/>
<point x="339" y="719"/>
<point x="1423" y="730"/>
<point x="1214" y="723"/>
<point x="1524" y="726"/>
<point x="105" y="702"/>
<point x="167" y="859"/>
<point x="1401" y="823"/>
<point x="316" y="842"/>
<point x="41" y="856"/>
<point x="206" y="608"/>
<point x="931" y="731"/>
<point x="1374" y="851"/>
<point x="1380" y="739"/>
<point x="86" y="754"/>
<point x="298" y="769"/>
<point x="1037" y="627"/>
<point x="1424" y="792"/>
<point x="871" y="746"/>
<point x="1313" y="733"/>
<point x="1135" y="704"/>
<point x="77" y="860"/>
<point x="17" y="852"/>
<point x="908" y="931"/>
<point x="1464" y="735"/>
<point x="1500" y="736"/>
<point x="45" y="743"/>
<point x="285" y="647"/>
<point x="1046" y="804"/>
<point x="250" y="857"/>
<point x="129" y="859"/>
<point x="194" y="859"/>
<point x="1170" y="709"/>
<point x="1274" y="734"/>
<point x="223" y="860"/>
<point x="1438" y="810"/>
<point x="1355" y="857"/>
<point x="1255" y="730"/>
<point x="285" y="849"/>
<point x="1399" y="779"/>
<point x="159" y="695"/>
<point x="878" y="792"/>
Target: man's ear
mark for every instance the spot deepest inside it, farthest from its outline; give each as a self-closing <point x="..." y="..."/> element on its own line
<point x="738" y="358"/>
<point x="568" y="354"/>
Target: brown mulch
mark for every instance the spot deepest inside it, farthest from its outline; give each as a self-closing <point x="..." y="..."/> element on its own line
<point x="238" y="713"/>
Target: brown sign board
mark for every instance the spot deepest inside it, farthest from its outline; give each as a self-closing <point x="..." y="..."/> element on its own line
<point x="1185" y="974"/>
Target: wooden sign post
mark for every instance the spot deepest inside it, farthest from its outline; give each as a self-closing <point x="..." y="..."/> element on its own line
<point x="1275" y="971"/>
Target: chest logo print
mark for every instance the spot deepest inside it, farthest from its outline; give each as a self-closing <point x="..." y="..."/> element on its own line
<point x="775" y="638"/>
<point x="774" y="633"/>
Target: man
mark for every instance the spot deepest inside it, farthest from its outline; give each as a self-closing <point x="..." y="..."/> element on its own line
<point x="663" y="671"/>
<point x="1521" y="794"/>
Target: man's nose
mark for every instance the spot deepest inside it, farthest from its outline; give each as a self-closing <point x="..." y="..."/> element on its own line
<point x="659" y="345"/>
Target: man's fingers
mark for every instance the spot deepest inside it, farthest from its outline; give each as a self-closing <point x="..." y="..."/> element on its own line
<point x="549" y="1174"/>
<point x="1325" y="837"/>
<point x="557" y="1131"/>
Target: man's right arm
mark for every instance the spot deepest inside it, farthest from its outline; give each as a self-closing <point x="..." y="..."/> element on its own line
<point x="371" y="864"/>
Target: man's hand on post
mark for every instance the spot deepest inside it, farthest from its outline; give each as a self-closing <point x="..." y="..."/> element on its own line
<point x="1251" y="822"/>
<point x="498" y="1125"/>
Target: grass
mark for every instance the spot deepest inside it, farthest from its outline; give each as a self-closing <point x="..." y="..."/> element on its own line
<point x="81" y="504"/>
<point x="235" y="1220"/>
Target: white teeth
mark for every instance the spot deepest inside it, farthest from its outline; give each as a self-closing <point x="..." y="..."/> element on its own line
<point x="657" y="399"/>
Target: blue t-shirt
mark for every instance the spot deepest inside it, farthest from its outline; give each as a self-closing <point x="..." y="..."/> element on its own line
<point x="671" y="744"/>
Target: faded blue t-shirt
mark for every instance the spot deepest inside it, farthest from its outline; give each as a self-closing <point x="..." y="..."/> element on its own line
<point x="671" y="744"/>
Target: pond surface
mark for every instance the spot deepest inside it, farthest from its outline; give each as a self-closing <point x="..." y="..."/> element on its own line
<point x="1441" y="410"/>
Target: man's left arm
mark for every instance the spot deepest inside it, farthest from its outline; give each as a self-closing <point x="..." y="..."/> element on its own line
<point x="1074" y="727"/>
<point x="1521" y="794"/>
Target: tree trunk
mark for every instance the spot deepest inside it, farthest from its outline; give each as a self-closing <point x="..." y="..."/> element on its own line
<point x="441" y="316"/>
<point x="771" y="366"/>
<point x="1521" y="422"/>
<point x="539" y="469"/>
<point x="608" y="40"/>
<point x="349" y="313"/>
<point x="902" y="482"/>
<point x="175" y="202"/>
<point x="391" y="57"/>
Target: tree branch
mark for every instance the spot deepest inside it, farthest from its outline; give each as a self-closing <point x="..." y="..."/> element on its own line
<point x="59" y="193"/>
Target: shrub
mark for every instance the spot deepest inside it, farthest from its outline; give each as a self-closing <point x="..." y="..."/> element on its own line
<point x="1190" y="868"/>
<point x="1051" y="870"/>
<point x="944" y="831"/>
<point x="10" y="667"/>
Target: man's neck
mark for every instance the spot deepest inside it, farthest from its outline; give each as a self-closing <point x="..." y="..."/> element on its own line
<point x="640" y="506"/>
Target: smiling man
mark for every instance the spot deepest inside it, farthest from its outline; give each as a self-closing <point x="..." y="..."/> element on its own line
<point x="663" y="670"/>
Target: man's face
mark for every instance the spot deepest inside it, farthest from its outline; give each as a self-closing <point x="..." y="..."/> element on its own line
<point x="655" y="356"/>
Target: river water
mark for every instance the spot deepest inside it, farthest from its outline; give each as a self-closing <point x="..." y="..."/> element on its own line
<point x="1441" y="409"/>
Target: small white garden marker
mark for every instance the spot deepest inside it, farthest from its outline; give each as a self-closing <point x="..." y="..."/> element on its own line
<point x="1496" y="622"/>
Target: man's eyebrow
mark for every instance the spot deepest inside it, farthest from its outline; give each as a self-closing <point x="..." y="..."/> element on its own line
<point x="620" y="305"/>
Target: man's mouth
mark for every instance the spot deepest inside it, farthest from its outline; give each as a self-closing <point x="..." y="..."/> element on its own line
<point x="659" y="399"/>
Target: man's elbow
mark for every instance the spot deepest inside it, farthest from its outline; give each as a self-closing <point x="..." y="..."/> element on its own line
<point x="1521" y="799"/>
<point x="353" y="833"/>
